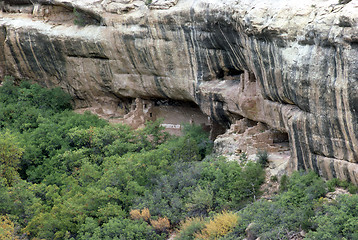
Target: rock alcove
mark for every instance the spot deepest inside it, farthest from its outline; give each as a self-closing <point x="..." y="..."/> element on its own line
<point x="290" y="66"/>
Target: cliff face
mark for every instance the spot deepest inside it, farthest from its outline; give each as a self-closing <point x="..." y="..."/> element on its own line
<point x="292" y="66"/>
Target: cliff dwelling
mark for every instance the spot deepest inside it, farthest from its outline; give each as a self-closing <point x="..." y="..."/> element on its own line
<point x="186" y="61"/>
<point x="174" y="114"/>
<point x="273" y="82"/>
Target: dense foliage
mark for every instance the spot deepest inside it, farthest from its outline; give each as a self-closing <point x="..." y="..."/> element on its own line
<point x="69" y="176"/>
<point x="300" y="208"/>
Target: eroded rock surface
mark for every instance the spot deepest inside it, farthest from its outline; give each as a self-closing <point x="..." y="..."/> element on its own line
<point x="292" y="65"/>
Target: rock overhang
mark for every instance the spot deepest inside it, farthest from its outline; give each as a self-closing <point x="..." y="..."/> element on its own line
<point x="290" y="65"/>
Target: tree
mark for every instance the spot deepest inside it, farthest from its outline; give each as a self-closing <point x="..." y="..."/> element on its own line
<point x="7" y="229"/>
<point x="10" y="154"/>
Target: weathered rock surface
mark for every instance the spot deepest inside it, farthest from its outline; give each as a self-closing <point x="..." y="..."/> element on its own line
<point x="292" y="65"/>
<point x="248" y="137"/>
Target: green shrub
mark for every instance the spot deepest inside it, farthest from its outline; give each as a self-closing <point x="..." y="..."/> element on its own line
<point x="54" y="99"/>
<point x="18" y="201"/>
<point x="332" y="184"/>
<point x="352" y="189"/>
<point x="303" y="188"/>
<point x="189" y="228"/>
<point x="152" y="135"/>
<point x="183" y="149"/>
<point x="262" y="157"/>
<point x="335" y="182"/>
<point x="170" y="192"/>
<point x="274" y="178"/>
<point x="200" y="201"/>
<point x="23" y="107"/>
<point x="290" y="211"/>
<point x="337" y="220"/>
<point x="193" y="189"/>
<point x="117" y="228"/>
<point x="10" y="154"/>
<point x="201" y="138"/>
<point x="284" y="183"/>
<point x="232" y="184"/>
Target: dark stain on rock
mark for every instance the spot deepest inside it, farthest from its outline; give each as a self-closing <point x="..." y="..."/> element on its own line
<point x="336" y="129"/>
<point x="353" y="103"/>
<point x="29" y="55"/>
<point x="159" y="87"/>
<point x="258" y="74"/>
<point x="106" y="74"/>
<point x="354" y="122"/>
<point x="328" y="137"/>
<point x="333" y="170"/>
<point x="346" y="172"/>
<point x="50" y="56"/>
<point x="18" y="2"/>
<point x="272" y="81"/>
<point x="314" y="163"/>
<point x="311" y="145"/>
<point x="13" y="54"/>
<point x="297" y="146"/>
<point x="128" y="39"/>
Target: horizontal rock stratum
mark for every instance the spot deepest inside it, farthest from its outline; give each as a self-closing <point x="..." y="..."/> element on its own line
<point x="292" y="65"/>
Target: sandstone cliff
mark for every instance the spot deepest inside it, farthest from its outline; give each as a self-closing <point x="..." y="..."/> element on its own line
<point x="292" y="65"/>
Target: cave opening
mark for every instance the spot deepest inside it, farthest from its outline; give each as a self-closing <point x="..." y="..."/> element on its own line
<point x="228" y="73"/>
<point x="280" y="137"/>
<point x="174" y="114"/>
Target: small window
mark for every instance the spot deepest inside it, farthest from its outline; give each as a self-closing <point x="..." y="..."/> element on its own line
<point x="150" y="114"/>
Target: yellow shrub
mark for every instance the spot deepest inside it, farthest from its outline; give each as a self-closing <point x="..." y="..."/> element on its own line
<point x="161" y="225"/>
<point x="135" y="214"/>
<point x="7" y="229"/>
<point x="221" y="225"/>
<point x="143" y="214"/>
